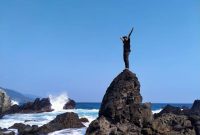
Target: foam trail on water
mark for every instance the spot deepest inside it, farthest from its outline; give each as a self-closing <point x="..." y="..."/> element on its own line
<point x="57" y="102"/>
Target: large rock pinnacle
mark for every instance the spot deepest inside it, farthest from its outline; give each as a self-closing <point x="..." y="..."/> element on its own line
<point x="122" y="111"/>
<point x="122" y="92"/>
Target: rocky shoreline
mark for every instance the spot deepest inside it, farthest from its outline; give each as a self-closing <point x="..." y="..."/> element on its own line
<point x="123" y="113"/>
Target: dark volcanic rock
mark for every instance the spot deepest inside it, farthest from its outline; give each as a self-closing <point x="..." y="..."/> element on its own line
<point x="195" y="107"/>
<point x="71" y="104"/>
<point x="122" y="113"/>
<point x="121" y="110"/>
<point x="38" y="106"/>
<point x="122" y="92"/>
<point x="172" y="124"/>
<point x="62" y="121"/>
<point x="169" y="109"/>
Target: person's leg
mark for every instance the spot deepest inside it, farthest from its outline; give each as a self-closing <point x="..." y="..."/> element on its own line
<point x="126" y="55"/>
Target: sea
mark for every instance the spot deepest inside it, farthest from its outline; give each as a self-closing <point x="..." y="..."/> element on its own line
<point x="88" y="110"/>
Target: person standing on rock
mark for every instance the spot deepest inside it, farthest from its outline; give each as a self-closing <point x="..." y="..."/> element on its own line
<point x="127" y="48"/>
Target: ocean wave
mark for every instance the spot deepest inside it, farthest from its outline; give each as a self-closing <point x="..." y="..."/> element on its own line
<point x="45" y="117"/>
<point x="13" y="102"/>
<point x="58" y="102"/>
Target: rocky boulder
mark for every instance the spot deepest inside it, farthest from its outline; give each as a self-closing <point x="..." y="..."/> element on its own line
<point x="169" y="109"/>
<point x="25" y="129"/>
<point x="71" y="104"/>
<point x="172" y="124"/>
<point x="122" y="111"/>
<point x="195" y="107"/>
<point x="38" y="106"/>
<point x="62" y="121"/>
<point x="84" y="120"/>
<point x="122" y="92"/>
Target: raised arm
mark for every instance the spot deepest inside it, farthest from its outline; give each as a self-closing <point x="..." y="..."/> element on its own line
<point x="130" y="33"/>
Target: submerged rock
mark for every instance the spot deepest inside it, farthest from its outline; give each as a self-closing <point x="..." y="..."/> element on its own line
<point x="84" y="120"/>
<point x="62" y="121"/>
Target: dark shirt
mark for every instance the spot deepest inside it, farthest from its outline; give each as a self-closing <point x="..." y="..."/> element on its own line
<point x="127" y="47"/>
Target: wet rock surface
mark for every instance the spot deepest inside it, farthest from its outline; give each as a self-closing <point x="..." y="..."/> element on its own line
<point x="123" y="113"/>
<point x="38" y="106"/>
<point x="62" y="121"/>
<point x="122" y="110"/>
<point x="25" y="129"/>
<point x="71" y="104"/>
<point x="84" y="120"/>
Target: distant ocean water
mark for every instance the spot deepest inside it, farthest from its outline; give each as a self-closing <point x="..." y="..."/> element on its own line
<point x="88" y="110"/>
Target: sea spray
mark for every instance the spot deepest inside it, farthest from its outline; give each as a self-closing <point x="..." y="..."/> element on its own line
<point x="57" y="102"/>
<point x="13" y="102"/>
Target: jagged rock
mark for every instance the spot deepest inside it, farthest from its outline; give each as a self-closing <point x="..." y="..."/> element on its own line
<point x="38" y="106"/>
<point x="62" y="121"/>
<point x="5" y="102"/>
<point x="25" y="129"/>
<point x="122" y="111"/>
<point x="122" y="92"/>
<point x="171" y="124"/>
<point x="71" y="104"/>
<point x="195" y="108"/>
<point x="169" y="109"/>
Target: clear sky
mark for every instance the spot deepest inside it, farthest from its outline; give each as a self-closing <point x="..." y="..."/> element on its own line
<point x="55" y="46"/>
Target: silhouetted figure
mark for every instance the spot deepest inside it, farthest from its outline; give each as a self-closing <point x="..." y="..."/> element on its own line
<point x="127" y="48"/>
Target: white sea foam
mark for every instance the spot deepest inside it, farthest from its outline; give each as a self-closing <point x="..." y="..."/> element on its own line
<point x="43" y="118"/>
<point x="157" y="111"/>
<point x="13" y="102"/>
<point x="58" y="102"/>
<point x="79" y="131"/>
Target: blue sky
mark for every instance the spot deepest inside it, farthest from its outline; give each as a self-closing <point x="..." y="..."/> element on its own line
<point x="51" y="46"/>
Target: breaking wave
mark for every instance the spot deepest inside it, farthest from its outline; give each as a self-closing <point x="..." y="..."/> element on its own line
<point x="13" y="102"/>
<point x="58" y="102"/>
